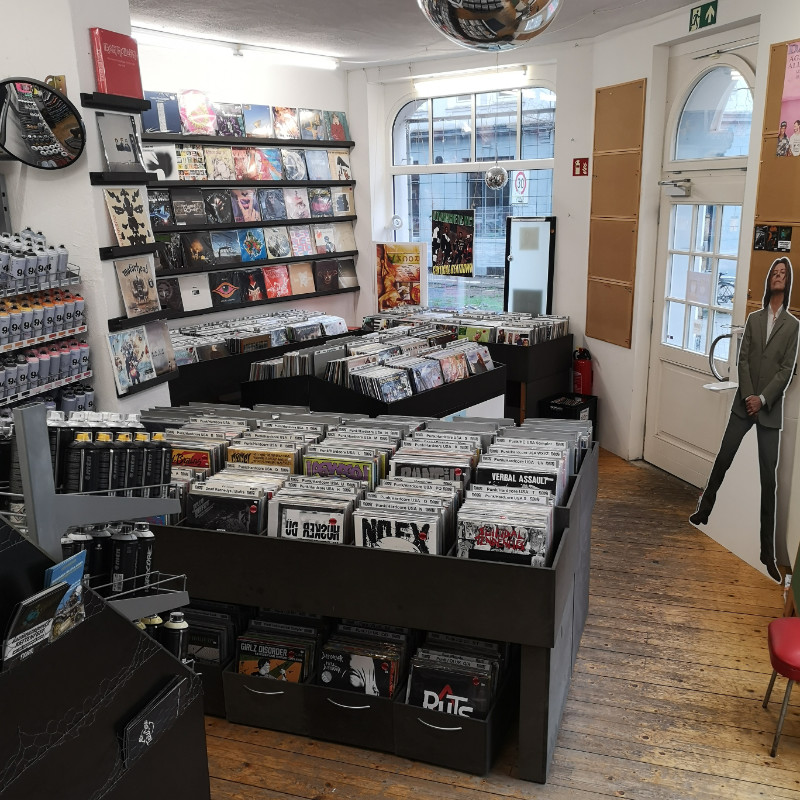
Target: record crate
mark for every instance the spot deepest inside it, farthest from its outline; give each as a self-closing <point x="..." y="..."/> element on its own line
<point x="213" y="689"/>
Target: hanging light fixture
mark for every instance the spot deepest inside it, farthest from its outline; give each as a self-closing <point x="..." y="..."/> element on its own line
<point x="490" y="24"/>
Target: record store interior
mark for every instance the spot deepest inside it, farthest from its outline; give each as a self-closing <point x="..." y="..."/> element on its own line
<point x="398" y="398"/>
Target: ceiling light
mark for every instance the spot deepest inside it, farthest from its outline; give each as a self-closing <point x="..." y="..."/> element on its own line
<point x="469" y="83"/>
<point x="154" y="38"/>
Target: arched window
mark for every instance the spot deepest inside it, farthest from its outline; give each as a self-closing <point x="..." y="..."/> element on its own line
<point x="716" y="118"/>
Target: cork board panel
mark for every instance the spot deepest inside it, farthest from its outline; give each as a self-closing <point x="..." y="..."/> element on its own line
<point x="762" y="260"/>
<point x="775" y="77"/>
<point x="616" y="178"/>
<point x="609" y="312"/>
<point x="612" y="249"/>
<point x="619" y="116"/>
<point x="778" y="198"/>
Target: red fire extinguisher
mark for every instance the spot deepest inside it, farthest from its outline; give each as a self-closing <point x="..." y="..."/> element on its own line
<point x="582" y="371"/>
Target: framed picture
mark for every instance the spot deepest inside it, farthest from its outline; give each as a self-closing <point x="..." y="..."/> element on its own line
<point x="120" y="140"/>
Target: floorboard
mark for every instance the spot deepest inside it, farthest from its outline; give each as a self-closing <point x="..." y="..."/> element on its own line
<point x="665" y="701"/>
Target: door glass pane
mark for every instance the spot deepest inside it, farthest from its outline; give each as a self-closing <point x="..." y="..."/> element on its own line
<point x="682" y="228"/>
<point x="538" y="123"/>
<point x="722" y="325"/>
<point x="726" y="282"/>
<point x="730" y="230"/>
<point x="706" y="228"/>
<point x="698" y="330"/>
<point x="496" y="125"/>
<point x="410" y="134"/>
<point x="677" y="283"/>
<point x="452" y="129"/>
<point x="675" y="317"/>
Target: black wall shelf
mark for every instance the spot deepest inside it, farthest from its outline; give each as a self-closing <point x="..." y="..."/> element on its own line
<point x="107" y="253"/>
<point x="252" y="141"/>
<point x="121" y="178"/>
<point x="157" y="381"/>
<point x="114" y="102"/>
<point x="126" y="323"/>
<point x="220" y="226"/>
<point x="157" y="184"/>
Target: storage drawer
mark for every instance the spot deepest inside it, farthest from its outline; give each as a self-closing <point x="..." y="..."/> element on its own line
<point x="213" y="691"/>
<point x="350" y="718"/>
<point x="265" y="702"/>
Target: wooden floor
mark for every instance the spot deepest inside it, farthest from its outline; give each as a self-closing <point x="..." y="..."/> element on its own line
<point x="665" y="701"/>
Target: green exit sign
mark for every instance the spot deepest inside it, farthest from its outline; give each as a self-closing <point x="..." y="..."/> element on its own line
<point x="703" y="16"/>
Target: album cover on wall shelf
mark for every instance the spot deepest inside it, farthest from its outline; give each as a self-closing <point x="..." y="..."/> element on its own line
<point x="343" y="237"/>
<point x="160" y="344"/>
<point x="225" y="247"/>
<point x="278" y="242"/>
<point x="342" y="200"/>
<point x="326" y="275"/>
<point x="302" y="242"/>
<point x="318" y="166"/>
<point x="116" y="63"/>
<point x="284" y="123"/>
<point x="324" y="239"/>
<point x="276" y="281"/>
<point x="294" y="164"/>
<point x="130" y="215"/>
<point x="120" y="141"/>
<point x="219" y="163"/>
<point x="225" y="288"/>
<point x="161" y="215"/>
<point x="137" y="285"/>
<point x="191" y="163"/>
<point x="340" y="165"/>
<point x="169" y="253"/>
<point x="164" y="115"/>
<point x="258" y="121"/>
<point x="296" y="201"/>
<point x="272" y="204"/>
<point x="253" y="287"/>
<point x="312" y="124"/>
<point x="320" y="202"/>
<point x="169" y="294"/>
<point x="195" y="293"/>
<point x="218" y="207"/>
<point x="270" y="164"/>
<point x="197" y="114"/>
<point x="336" y="124"/>
<point x="252" y="244"/>
<point x="161" y="159"/>
<point x="245" y="205"/>
<point x="197" y="251"/>
<point x="130" y="356"/>
<point x="230" y="119"/>
<point x="301" y="278"/>
<point x="347" y="274"/>
<point x="188" y="207"/>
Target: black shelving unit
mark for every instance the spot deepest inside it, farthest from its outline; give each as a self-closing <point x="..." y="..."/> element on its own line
<point x="308" y="578"/>
<point x="207" y="184"/>
<point x="114" y="102"/>
<point x="328" y="144"/>
<point x="322" y="395"/>
<point x="120" y="178"/>
<point x="107" y="253"/>
<point x="275" y="223"/>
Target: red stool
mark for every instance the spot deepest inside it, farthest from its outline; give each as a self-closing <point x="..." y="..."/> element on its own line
<point x="784" y="653"/>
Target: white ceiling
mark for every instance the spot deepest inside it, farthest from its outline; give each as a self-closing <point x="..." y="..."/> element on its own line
<point x="365" y="31"/>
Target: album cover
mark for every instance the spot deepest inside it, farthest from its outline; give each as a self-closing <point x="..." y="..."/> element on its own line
<point x="130" y="355"/>
<point x="342" y="199"/>
<point x="253" y="287"/>
<point x="169" y="255"/>
<point x="342" y="666"/>
<point x="270" y="165"/>
<point x="225" y="288"/>
<point x="302" y="243"/>
<point x="191" y="163"/>
<point x="161" y="159"/>
<point x="318" y="166"/>
<point x="31" y="624"/>
<point x="188" y="206"/>
<point x="252" y="245"/>
<point x="312" y="124"/>
<point x="450" y="688"/>
<point x="219" y="164"/>
<point x="160" y="344"/>
<point x="242" y="165"/>
<point x="217" y="203"/>
<point x="194" y="291"/>
<point x="301" y="278"/>
<point x="344" y="239"/>
<point x="197" y="251"/>
<point x="258" y="121"/>
<point x="243" y="514"/>
<point x="197" y="114"/>
<point x="319" y="200"/>
<point x="326" y="275"/>
<point x="70" y="611"/>
<point x="773" y="237"/>
<point x="276" y="281"/>
<point x="130" y="216"/>
<point x="245" y="205"/>
<point x="284" y="123"/>
<point x="272" y="204"/>
<point x="225" y="247"/>
<point x="296" y="201"/>
<point x="340" y="165"/>
<point x="137" y="285"/>
<point x="324" y="238"/>
<point x="164" y="115"/>
<point x="294" y="165"/>
<point x="161" y="215"/>
<point x="120" y="141"/>
<point x="338" y="129"/>
<point x="347" y="273"/>
<point x="169" y="294"/>
<point x="277" y="241"/>
<point x="230" y="119"/>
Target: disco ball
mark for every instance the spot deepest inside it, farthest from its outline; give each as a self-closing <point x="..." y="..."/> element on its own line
<point x="496" y="177"/>
<point x="490" y="24"/>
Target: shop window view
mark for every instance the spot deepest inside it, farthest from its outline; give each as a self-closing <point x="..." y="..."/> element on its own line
<point x="459" y="133"/>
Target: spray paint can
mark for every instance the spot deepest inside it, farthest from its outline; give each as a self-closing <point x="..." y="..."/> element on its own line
<point x="63" y="261"/>
<point x="144" y="569"/>
<point x="124" y="551"/>
<point x="101" y="554"/>
<point x="15" y="328"/>
<point x="152" y="625"/>
<point x="79" y="464"/>
<point x="174" y="635"/>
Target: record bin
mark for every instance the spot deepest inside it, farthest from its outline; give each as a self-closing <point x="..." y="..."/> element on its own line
<point x="213" y="691"/>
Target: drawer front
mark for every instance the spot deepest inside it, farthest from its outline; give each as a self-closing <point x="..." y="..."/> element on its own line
<point x="265" y="703"/>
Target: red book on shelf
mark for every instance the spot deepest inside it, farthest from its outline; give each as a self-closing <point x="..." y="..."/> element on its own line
<point x="116" y="63"/>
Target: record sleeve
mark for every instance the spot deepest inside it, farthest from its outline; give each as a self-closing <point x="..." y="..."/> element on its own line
<point x="317" y="165"/>
<point x="277" y="241"/>
<point x="344" y="239"/>
<point x="219" y="163"/>
<point x="285" y="124"/>
<point x="258" y="121"/>
<point x="161" y="350"/>
<point x="230" y="119"/>
<point x="161" y="159"/>
<point x="169" y="255"/>
<point x="225" y="289"/>
<point x="312" y="124"/>
<point x="326" y="276"/>
<point x="440" y="687"/>
<point x="197" y="251"/>
<point x="276" y="281"/>
<point x="161" y="215"/>
<point x="348" y="278"/>
<point x="31" y="624"/>
<point x="150" y="723"/>
<point x="252" y="244"/>
<point x="245" y="205"/>
<point x="296" y="200"/>
<point x="130" y="355"/>
<point x="272" y="204"/>
<point x="137" y="285"/>
<point x="340" y="165"/>
<point x="195" y="293"/>
<point x="359" y="668"/>
<point x="320" y="202"/>
<point x="225" y="247"/>
<point x="324" y="238"/>
<point x="169" y="294"/>
<point x="253" y="288"/>
<point x="120" y="141"/>
<point x="302" y="243"/>
<point x="217" y="203"/>
<point x="197" y="114"/>
<point x="188" y="206"/>
<point x="342" y="199"/>
<point x="116" y="63"/>
<point x="301" y="278"/>
<point x="130" y="216"/>
<point x="338" y="129"/>
<point x="164" y="115"/>
<point x="270" y="657"/>
<point x="294" y="165"/>
<point x="242" y="514"/>
<point x="269" y="164"/>
<point x="191" y="163"/>
<point x="353" y="469"/>
<point x="295" y="521"/>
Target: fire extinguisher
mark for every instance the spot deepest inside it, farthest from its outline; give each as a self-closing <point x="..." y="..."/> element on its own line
<point x="582" y="371"/>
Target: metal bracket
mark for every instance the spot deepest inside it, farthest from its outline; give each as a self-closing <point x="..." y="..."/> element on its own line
<point x="678" y="188"/>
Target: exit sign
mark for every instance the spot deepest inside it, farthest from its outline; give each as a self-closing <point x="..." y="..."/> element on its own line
<point x="703" y="16"/>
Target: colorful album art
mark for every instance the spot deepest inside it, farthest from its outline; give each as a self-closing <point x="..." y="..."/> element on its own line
<point x="336" y="123"/>
<point x="252" y="244"/>
<point x="285" y="123"/>
<point x="219" y="163"/>
<point x="302" y="243"/>
<point x="269" y="166"/>
<point x="789" y="123"/>
<point x="245" y="205"/>
<point x="312" y="124"/>
<point x="197" y="114"/>
<point x="452" y="235"/>
<point x="217" y="204"/>
<point x="400" y="273"/>
<point x="253" y="288"/>
<point x="258" y="121"/>
<point x="296" y="201"/>
<point x="276" y="281"/>
<point x="230" y="119"/>
<point x="225" y="288"/>
<point x="130" y="355"/>
<point x="272" y="204"/>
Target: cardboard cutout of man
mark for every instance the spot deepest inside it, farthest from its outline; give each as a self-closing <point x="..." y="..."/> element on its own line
<point x="766" y="364"/>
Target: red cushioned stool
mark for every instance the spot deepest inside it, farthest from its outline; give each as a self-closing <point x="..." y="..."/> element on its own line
<point x="784" y="653"/>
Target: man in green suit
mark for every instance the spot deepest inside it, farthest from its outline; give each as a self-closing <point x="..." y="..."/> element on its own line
<point x="766" y="364"/>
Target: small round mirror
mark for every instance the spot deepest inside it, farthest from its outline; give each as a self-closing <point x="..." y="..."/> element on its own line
<point x="39" y="126"/>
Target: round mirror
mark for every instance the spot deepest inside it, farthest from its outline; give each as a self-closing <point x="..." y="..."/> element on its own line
<point x="39" y="126"/>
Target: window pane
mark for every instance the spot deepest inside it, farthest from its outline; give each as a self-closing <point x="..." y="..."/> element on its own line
<point x="452" y="129"/>
<point x="677" y="279"/>
<point x="722" y="325"/>
<point x="726" y="283"/>
<point x="675" y="316"/>
<point x="496" y="125"/>
<point x="682" y="227"/>
<point x="706" y="224"/>
<point x="698" y="330"/>
<point x="538" y="123"/>
<point x="715" y="122"/>
<point x="410" y="134"/>
<point x="731" y="227"/>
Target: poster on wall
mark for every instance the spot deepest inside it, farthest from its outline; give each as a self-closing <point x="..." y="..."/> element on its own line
<point x="451" y="242"/>
<point x="789" y="130"/>
<point x="400" y="273"/>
